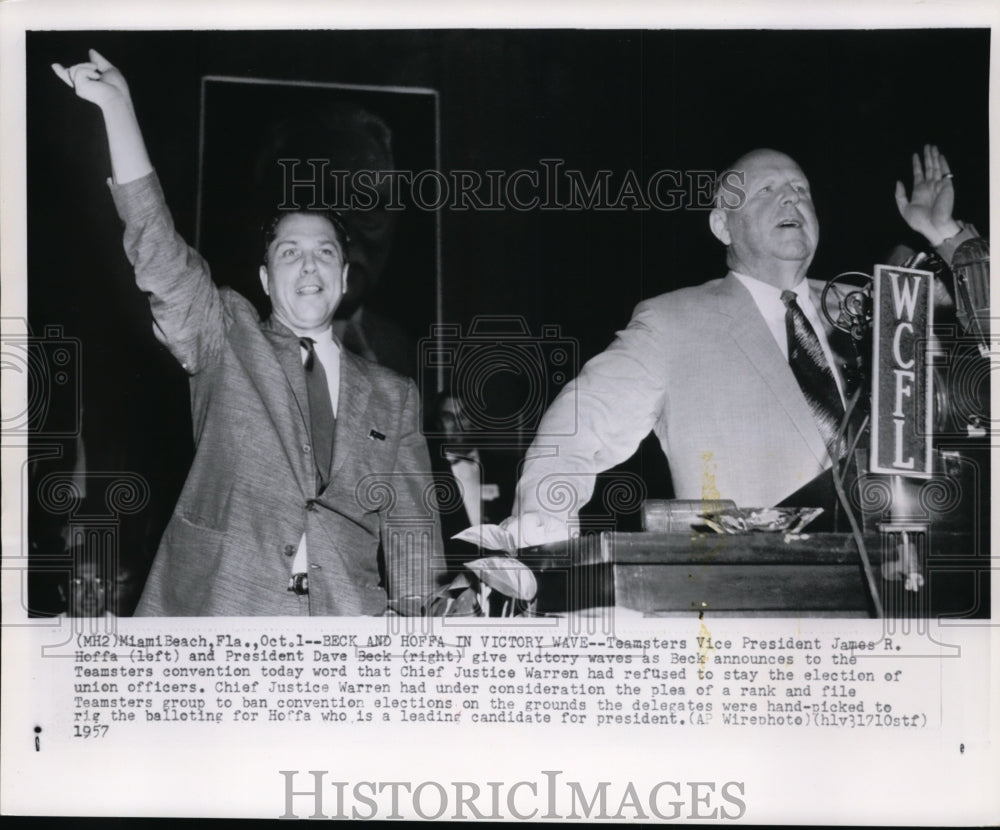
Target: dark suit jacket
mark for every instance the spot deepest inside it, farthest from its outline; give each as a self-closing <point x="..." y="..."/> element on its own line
<point x="497" y="469"/>
<point x="250" y="493"/>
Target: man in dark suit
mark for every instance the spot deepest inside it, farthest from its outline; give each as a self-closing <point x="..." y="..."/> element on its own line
<point x="310" y="491"/>
<point x="475" y="481"/>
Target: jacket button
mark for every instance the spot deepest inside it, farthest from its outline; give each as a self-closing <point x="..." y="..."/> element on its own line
<point x="306" y="448"/>
<point x="289" y="550"/>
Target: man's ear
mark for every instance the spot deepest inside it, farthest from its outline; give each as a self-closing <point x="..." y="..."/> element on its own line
<point x="343" y="277"/>
<point x="718" y="221"/>
<point x="263" y="279"/>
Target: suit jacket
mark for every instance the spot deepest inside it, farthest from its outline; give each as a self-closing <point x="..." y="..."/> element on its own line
<point x="497" y="469"/>
<point x="700" y="368"/>
<point x="251" y="492"/>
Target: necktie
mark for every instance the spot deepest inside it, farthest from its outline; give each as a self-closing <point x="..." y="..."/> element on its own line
<point x="812" y="371"/>
<point x="320" y="413"/>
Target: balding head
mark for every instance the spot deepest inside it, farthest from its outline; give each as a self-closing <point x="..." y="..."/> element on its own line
<point x="764" y="215"/>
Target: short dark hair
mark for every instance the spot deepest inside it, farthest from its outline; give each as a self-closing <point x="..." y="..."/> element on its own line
<point x="269" y="228"/>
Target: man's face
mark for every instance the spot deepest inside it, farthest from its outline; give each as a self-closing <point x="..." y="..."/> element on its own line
<point x="88" y="592"/>
<point x="776" y="226"/>
<point x="306" y="274"/>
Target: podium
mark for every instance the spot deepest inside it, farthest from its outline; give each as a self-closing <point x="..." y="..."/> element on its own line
<point x="753" y="574"/>
<point x="748" y="575"/>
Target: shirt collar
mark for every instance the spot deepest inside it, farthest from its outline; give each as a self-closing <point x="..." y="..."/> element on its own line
<point x="765" y="291"/>
<point x="278" y="327"/>
<point x="322" y="340"/>
<point x="758" y="285"/>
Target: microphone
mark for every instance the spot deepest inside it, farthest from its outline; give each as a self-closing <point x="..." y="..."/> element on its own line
<point x="971" y="268"/>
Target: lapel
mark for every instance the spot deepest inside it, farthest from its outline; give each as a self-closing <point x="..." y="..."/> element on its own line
<point x="352" y="425"/>
<point x="754" y="338"/>
<point x="286" y="349"/>
<point x="281" y="384"/>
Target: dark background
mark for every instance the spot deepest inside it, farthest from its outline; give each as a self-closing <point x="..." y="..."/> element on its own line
<point x="849" y="106"/>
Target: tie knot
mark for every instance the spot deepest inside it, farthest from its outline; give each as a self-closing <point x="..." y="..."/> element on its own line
<point x="789" y="297"/>
<point x="308" y="344"/>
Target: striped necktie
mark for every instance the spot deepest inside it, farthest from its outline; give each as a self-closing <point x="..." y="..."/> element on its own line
<point x="321" y="419"/>
<point x="813" y="372"/>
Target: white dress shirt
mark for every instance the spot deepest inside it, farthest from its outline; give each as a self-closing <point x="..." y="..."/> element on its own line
<point x="773" y="310"/>
<point x="468" y="473"/>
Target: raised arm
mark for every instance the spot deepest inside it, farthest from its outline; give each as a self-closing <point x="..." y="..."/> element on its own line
<point x="929" y="208"/>
<point x="929" y="212"/>
<point x="597" y="421"/>
<point x="102" y="84"/>
<point x="187" y="311"/>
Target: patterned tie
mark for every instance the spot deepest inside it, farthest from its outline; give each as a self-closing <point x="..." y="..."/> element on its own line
<point x="321" y="417"/>
<point x="812" y="371"/>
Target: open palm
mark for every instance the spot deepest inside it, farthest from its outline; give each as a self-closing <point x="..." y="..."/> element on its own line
<point x="929" y="208"/>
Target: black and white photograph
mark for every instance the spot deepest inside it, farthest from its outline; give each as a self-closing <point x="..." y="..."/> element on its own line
<point x="665" y="344"/>
<point x="555" y="214"/>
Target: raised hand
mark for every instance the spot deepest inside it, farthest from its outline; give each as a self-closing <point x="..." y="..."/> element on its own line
<point x="96" y="80"/>
<point x="102" y="84"/>
<point x="928" y="211"/>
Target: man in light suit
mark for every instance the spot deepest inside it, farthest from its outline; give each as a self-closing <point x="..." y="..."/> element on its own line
<point x="273" y="520"/>
<point x="706" y="368"/>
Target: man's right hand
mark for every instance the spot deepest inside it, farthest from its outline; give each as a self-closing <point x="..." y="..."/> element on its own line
<point x="97" y="81"/>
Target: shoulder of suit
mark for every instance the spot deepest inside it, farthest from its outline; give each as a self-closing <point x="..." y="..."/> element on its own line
<point x="681" y="299"/>
<point x="238" y="306"/>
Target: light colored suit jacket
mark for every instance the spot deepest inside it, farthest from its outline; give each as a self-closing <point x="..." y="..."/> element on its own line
<point x="250" y="493"/>
<point x="700" y="368"/>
